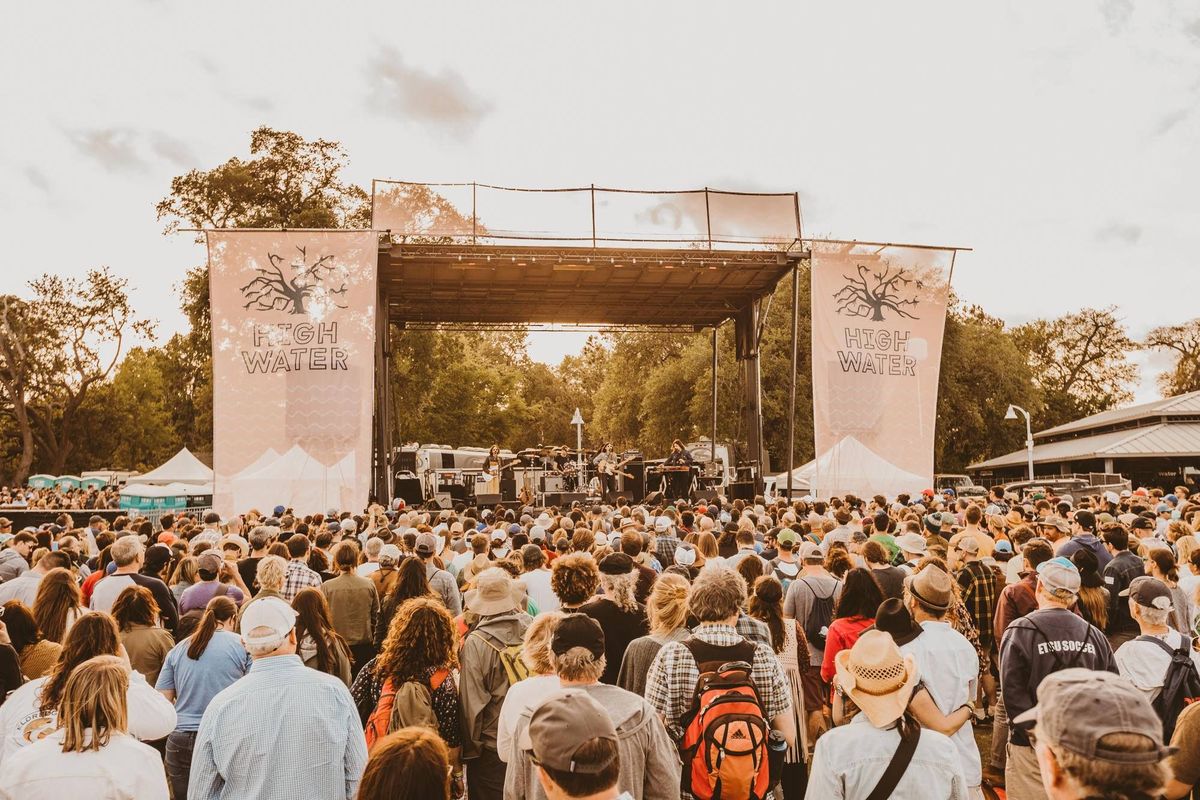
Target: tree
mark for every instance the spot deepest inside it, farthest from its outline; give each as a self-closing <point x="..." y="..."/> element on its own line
<point x="89" y="321"/>
<point x="273" y="290"/>
<point x="868" y="293"/>
<point x="1080" y="363"/>
<point x="289" y="183"/>
<point x="25" y="350"/>
<point x="1183" y="342"/>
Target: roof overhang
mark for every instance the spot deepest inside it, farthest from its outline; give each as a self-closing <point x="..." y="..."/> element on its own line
<point x="467" y="284"/>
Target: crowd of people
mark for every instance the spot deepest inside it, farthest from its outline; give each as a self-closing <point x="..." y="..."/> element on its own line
<point x="840" y="648"/>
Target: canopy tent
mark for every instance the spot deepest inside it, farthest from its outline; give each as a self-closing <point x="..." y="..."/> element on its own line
<point x="297" y="479"/>
<point x="850" y="467"/>
<point x="183" y="467"/>
<point x="269" y="456"/>
<point x="802" y="478"/>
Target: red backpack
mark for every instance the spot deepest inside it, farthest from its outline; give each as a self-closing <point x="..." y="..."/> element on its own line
<point x="724" y="747"/>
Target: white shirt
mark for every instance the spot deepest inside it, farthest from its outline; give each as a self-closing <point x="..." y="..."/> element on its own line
<point x="151" y="716"/>
<point x="849" y="761"/>
<point x="1145" y="664"/>
<point x="537" y="585"/>
<point x="949" y="666"/>
<point x="122" y="769"/>
<point x="363" y="570"/>
<point x="842" y="533"/>
<point x="109" y="588"/>
<point x="521" y="697"/>
<point x="24" y="587"/>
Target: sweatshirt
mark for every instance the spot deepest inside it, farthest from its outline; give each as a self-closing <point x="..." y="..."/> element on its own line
<point x="1038" y="644"/>
<point x="650" y="768"/>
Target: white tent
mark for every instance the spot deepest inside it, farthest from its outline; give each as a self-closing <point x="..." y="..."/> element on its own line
<point x="183" y="467"/>
<point x="801" y="480"/>
<point x="269" y="456"/>
<point x="850" y="467"/>
<point x="296" y="479"/>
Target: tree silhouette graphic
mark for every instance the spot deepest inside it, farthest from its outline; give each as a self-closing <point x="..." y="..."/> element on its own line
<point x="273" y="290"/>
<point x="868" y="293"/>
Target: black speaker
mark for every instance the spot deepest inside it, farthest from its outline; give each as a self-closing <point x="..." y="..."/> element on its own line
<point x="741" y="490"/>
<point x="707" y="495"/>
<point x="653" y="499"/>
<point x="487" y="500"/>
<point x="634" y="487"/>
<point x="409" y="489"/>
<point x="564" y="499"/>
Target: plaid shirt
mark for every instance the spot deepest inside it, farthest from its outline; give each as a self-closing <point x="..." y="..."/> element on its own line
<point x="665" y="545"/>
<point x="979" y="595"/>
<point x="673" y="675"/>
<point x="299" y="576"/>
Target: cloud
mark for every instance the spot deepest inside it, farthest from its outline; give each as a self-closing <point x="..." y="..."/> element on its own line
<point x="442" y="101"/>
<point x="115" y="149"/>
<point x="1192" y="29"/>
<point x="1116" y="13"/>
<point x="173" y="150"/>
<point x="1169" y="121"/>
<point x="37" y="179"/>
<point x="1120" y="232"/>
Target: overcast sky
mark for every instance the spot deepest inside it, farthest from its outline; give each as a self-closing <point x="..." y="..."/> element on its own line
<point x="1058" y="139"/>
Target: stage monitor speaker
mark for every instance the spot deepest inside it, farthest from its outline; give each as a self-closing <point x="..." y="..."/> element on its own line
<point x="410" y="490"/>
<point x="443" y="500"/>
<point x="634" y="487"/>
<point x="564" y="499"/>
<point x="487" y="500"/>
<point x="706" y="495"/>
<point x="653" y="499"/>
<point x="741" y="490"/>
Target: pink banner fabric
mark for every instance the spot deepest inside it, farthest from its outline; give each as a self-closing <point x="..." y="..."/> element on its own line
<point x="878" y="317"/>
<point x="293" y="338"/>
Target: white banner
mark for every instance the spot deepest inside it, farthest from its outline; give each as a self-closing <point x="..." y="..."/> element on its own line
<point x="293" y="337"/>
<point x="878" y="316"/>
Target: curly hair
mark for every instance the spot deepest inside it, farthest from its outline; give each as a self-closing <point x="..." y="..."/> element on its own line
<point x="422" y="637"/>
<point x="574" y="578"/>
<point x="621" y="590"/>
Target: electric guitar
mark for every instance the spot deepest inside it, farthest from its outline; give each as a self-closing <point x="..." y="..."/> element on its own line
<point x="608" y="468"/>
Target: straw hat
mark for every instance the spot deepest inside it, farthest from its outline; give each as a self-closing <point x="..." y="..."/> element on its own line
<point x="877" y="677"/>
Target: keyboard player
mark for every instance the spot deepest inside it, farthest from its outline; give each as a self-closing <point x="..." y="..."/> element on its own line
<point x="679" y="481"/>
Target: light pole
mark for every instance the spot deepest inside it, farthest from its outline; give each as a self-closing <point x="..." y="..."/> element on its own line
<point x="1012" y="414"/>
<point x="577" y="421"/>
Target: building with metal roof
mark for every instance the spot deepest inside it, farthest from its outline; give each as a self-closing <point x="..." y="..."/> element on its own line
<point x="1152" y="444"/>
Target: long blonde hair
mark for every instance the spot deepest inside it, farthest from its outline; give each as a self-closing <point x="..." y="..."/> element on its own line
<point x="667" y="606"/>
<point x="94" y="699"/>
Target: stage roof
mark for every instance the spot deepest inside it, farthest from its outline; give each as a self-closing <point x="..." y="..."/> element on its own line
<point x="482" y="285"/>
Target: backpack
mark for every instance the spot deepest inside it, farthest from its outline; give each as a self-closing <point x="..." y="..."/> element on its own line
<point x="411" y="704"/>
<point x="188" y="622"/>
<point x="1181" y="684"/>
<point x="515" y="668"/>
<point x="816" y="625"/>
<point x="777" y="569"/>
<point x="725" y="734"/>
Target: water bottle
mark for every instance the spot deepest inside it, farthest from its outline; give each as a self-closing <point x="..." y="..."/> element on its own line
<point x="776" y="750"/>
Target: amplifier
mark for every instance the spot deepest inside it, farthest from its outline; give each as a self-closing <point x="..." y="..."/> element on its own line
<point x="741" y="490"/>
<point x="564" y="499"/>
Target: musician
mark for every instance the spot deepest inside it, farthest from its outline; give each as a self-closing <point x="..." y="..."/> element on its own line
<point x="678" y="483"/>
<point x="606" y="462"/>
<point x="492" y="464"/>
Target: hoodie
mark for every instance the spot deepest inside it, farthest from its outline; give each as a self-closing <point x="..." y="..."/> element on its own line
<point x="483" y="682"/>
<point x="650" y="768"/>
<point x="12" y="564"/>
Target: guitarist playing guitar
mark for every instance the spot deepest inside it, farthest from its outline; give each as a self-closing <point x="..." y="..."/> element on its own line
<point x="608" y="468"/>
<point x="493" y="465"/>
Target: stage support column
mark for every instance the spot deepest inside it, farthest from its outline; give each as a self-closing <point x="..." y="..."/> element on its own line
<point x="379" y="480"/>
<point x="712" y="456"/>
<point x="746" y="330"/>
<point x="791" y="426"/>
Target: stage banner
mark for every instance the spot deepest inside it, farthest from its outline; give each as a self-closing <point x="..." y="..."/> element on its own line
<point x="878" y="316"/>
<point x="293" y="345"/>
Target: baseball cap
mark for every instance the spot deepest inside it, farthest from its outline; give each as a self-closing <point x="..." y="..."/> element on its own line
<point x="267" y="612"/>
<point x="786" y="536"/>
<point x="278" y="511"/>
<point x="1149" y="592"/>
<point x="390" y="553"/>
<point x="331" y="513"/>
<point x="810" y="552"/>
<point x="1142" y="524"/>
<point x="577" y="630"/>
<point x="514" y="529"/>
<point x="560" y="726"/>
<point x="426" y="544"/>
<point x="498" y="535"/>
<point x="662" y="524"/>
<point x="1059" y="573"/>
<point x="685" y="554"/>
<point x="348" y="524"/>
<point x="1077" y="708"/>
<point x="1003" y="546"/>
<point x="537" y="534"/>
<point x="968" y="544"/>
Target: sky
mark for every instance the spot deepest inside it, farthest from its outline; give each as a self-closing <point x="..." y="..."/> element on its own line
<point x="1059" y="140"/>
